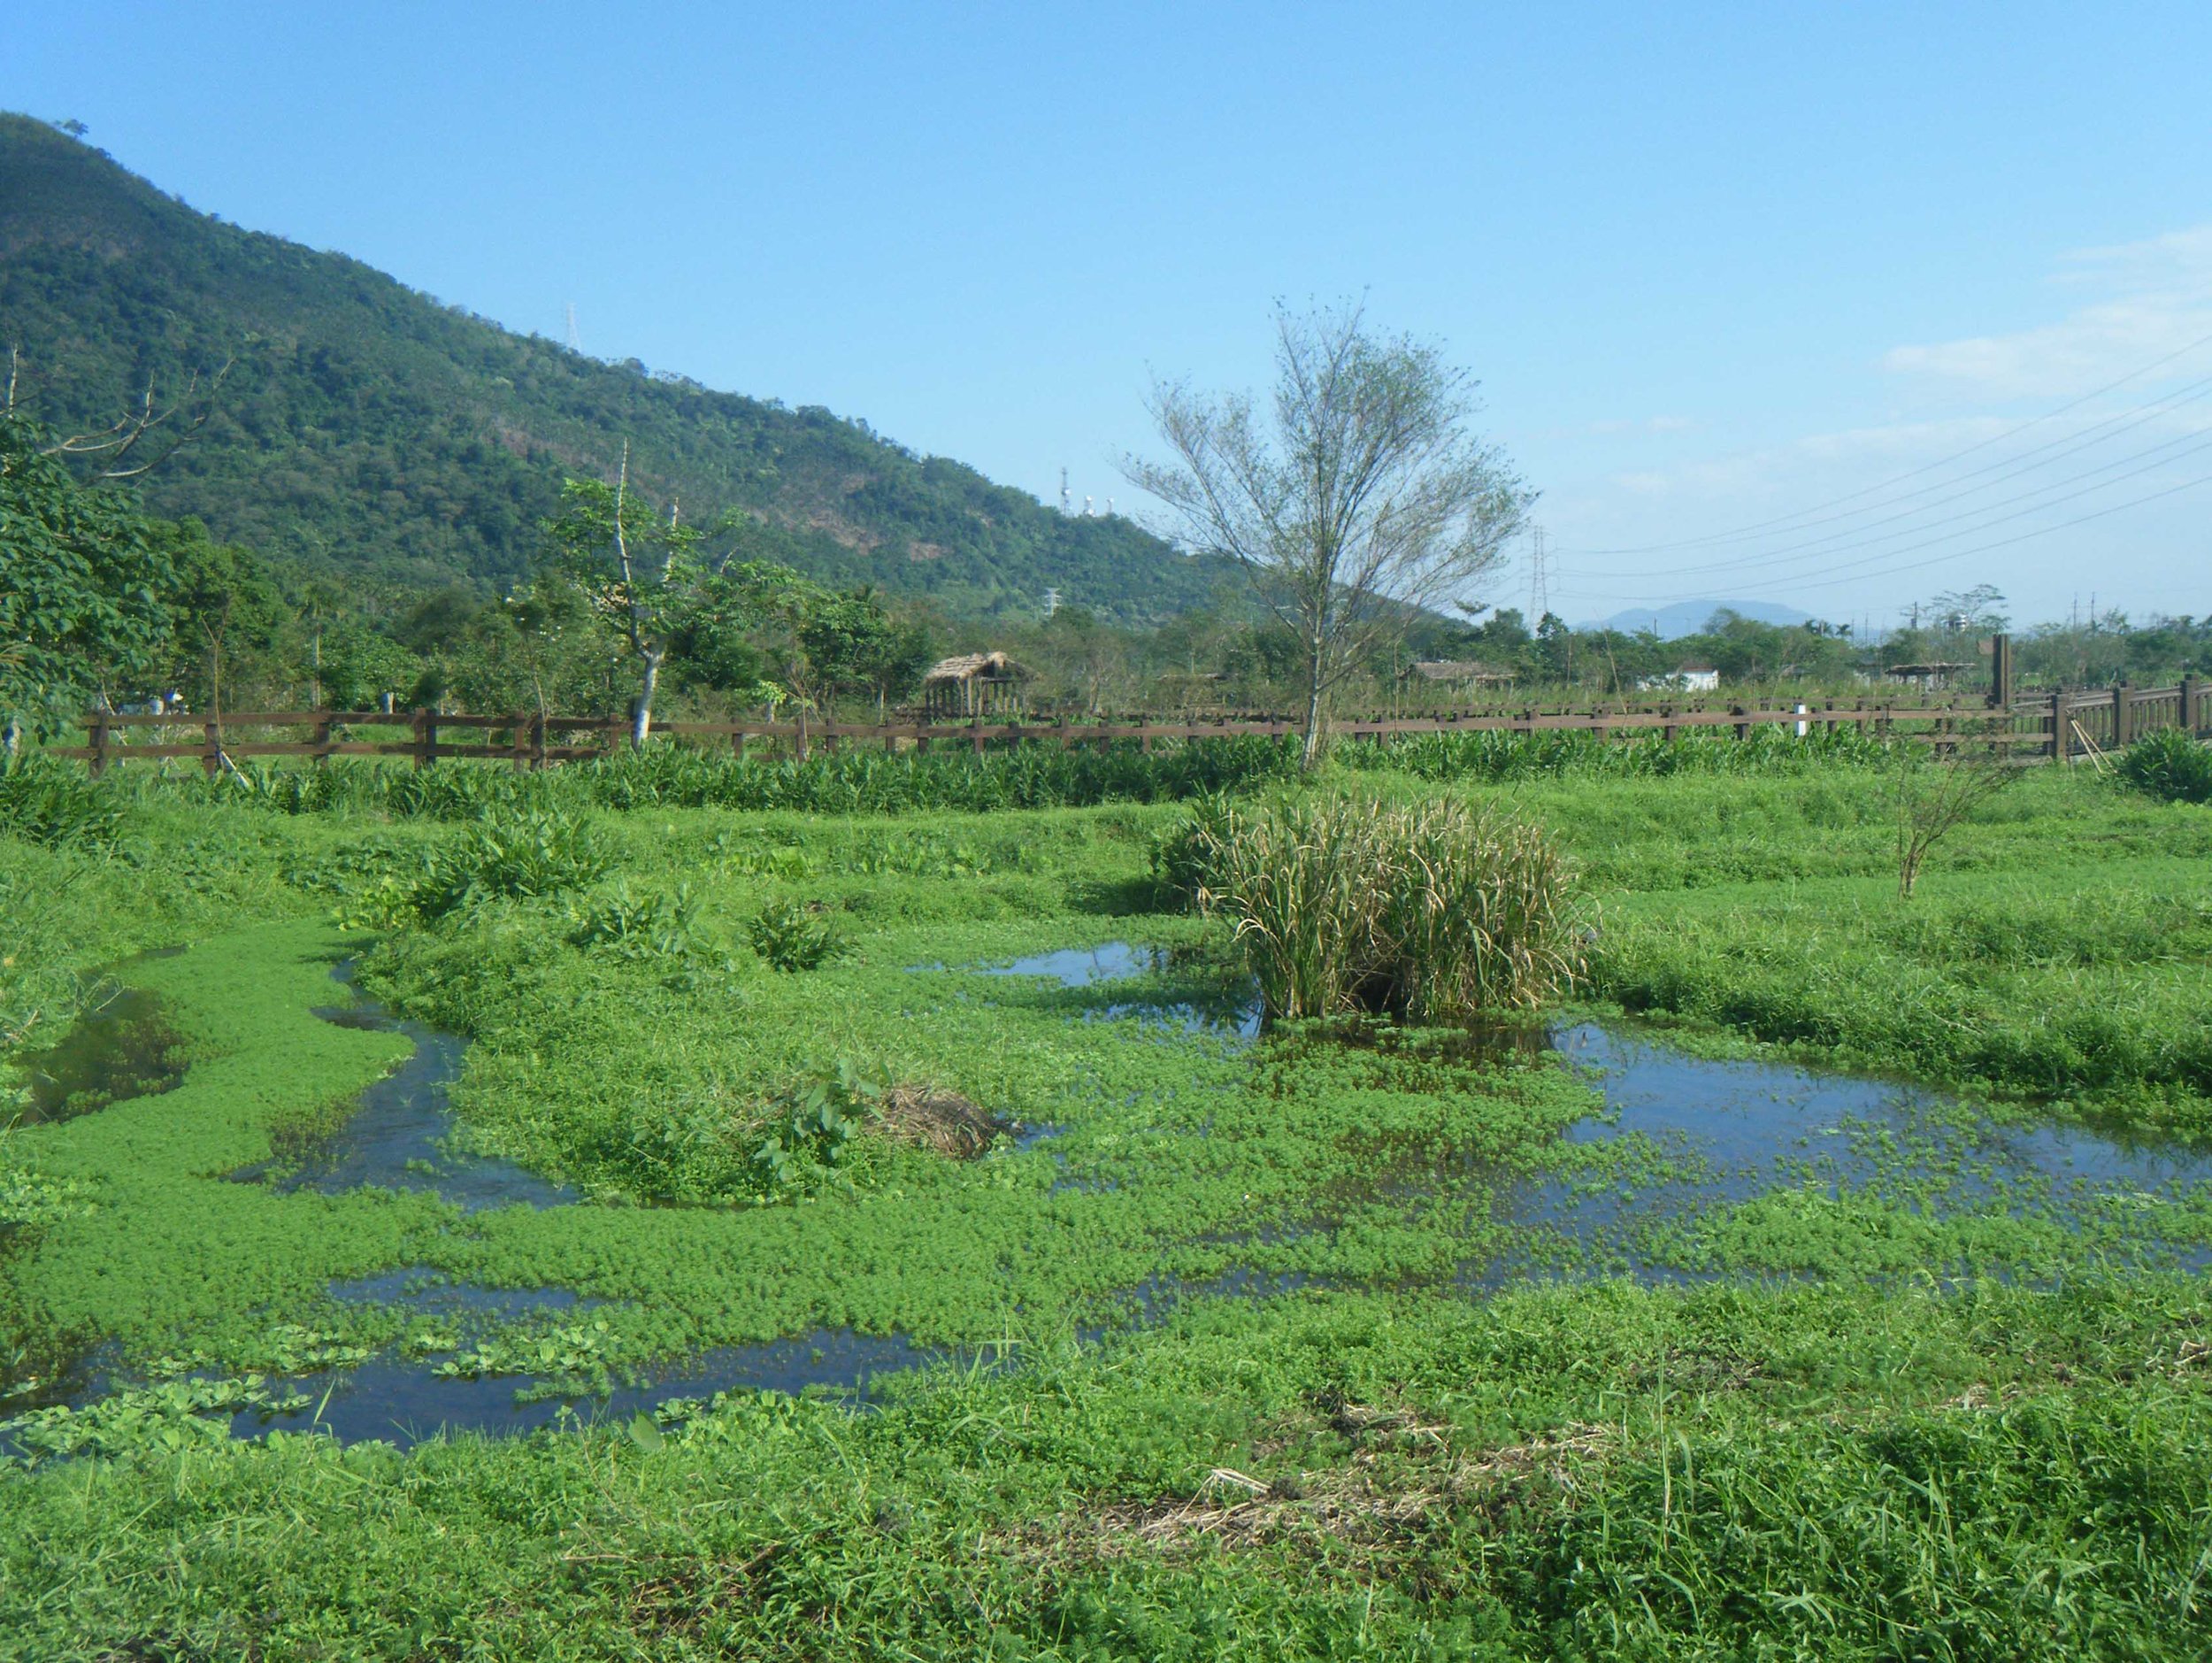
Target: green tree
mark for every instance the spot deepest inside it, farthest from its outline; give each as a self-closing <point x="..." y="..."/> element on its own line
<point x="635" y="566"/>
<point x="226" y="613"/>
<point x="81" y="620"/>
<point x="1366" y="498"/>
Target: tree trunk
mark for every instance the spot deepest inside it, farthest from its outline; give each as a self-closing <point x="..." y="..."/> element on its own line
<point x="642" y="711"/>
<point x="1312" y="754"/>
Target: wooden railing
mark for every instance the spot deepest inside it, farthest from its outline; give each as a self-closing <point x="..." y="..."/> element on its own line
<point x="2060" y="725"/>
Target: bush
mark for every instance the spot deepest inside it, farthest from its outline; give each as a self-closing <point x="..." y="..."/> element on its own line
<point x="1431" y="912"/>
<point x="2170" y="765"/>
<point x="47" y="801"/>
<point x="627" y="924"/>
<point x="792" y="938"/>
<point x="511" y="857"/>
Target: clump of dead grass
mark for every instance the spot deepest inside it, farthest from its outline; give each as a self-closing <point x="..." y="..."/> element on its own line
<point x="928" y="1117"/>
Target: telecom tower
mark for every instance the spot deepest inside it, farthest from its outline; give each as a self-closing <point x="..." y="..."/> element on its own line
<point x="1066" y="505"/>
<point x="575" y="340"/>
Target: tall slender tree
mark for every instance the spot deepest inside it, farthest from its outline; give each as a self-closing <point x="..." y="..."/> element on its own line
<point x="1364" y="499"/>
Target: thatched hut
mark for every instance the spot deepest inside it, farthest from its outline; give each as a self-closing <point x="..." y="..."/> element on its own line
<point x="974" y="684"/>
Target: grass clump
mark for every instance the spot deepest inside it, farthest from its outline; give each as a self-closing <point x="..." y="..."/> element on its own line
<point x="2169" y="765"/>
<point x="1430" y="912"/>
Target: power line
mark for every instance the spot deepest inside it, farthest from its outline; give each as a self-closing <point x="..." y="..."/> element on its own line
<point x="1944" y="461"/>
<point x="2024" y="502"/>
<point x="2011" y="468"/>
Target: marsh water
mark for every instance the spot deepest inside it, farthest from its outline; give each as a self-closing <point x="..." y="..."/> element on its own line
<point x="1700" y="1134"/>
<point x="122" y="1047"/>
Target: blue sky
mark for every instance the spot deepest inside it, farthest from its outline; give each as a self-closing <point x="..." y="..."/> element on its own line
<point x="1716" y="266"/>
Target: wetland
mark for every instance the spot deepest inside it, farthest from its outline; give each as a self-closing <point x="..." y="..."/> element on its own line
<point x="1015" y="1216"/>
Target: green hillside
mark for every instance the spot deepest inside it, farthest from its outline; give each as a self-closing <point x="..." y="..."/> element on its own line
<point x="362" y="424"/>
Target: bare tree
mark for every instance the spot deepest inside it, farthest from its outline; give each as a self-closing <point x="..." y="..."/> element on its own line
<point x="1366" y="498"/>
<point x="114" y="451"/>
<point x="1936" y="791"/>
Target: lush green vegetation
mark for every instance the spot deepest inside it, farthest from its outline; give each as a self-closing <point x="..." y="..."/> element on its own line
<point x="362" y="428"/>
<point x="1232" y="1395"/>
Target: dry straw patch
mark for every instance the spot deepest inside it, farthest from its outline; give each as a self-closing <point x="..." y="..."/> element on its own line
<point x="1403" y="1476"/>
<point x="943" y="1121"/>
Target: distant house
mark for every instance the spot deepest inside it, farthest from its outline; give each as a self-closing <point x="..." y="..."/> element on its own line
<point x="1685" y="678"/>
<point x="1458" y="675"/>
<point x="974" y="684"/>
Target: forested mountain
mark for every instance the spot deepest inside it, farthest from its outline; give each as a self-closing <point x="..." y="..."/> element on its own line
<point x="365" y="426"/>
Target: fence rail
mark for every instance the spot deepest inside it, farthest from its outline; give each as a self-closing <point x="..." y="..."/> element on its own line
<point x="2061" y="727"/>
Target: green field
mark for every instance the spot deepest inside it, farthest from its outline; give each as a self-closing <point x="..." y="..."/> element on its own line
<point x="1319" y="1341"/>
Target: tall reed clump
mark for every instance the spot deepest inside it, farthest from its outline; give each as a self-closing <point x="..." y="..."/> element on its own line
<point x="1430" y="912"/>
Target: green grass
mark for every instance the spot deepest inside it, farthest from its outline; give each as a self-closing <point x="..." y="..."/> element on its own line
<point x="1971" y="1423"/>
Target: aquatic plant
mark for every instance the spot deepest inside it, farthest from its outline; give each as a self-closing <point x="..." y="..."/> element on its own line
<point x="793" y="937"/>
<point x="1432" y="912"/>
<point x="2169" y="765"/>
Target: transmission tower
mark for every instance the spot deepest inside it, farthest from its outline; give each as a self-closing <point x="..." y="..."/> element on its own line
<point x="575" y="338"/>
<point x="1066" y="505"/>
<point x="1538" y="577"/>
<point x="1052" y="602"/>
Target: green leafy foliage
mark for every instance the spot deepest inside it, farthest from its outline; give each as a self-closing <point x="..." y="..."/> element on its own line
<point x="793" y="937"/>
<point x="633" y="923"/>
<point x="528" y="856"/>
<point x="366" y="428"/>
<point x="2169" y="765"/>
<point x="80" y="610"/>
<point x="48" y="801"/>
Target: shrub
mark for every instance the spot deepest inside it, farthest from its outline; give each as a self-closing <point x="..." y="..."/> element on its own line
<point x="2170" y="765"/>
<point x="792" y="938"/>
<point x="46" y="801"/>
<point x="511" y="857"/>
<point x="1430" y="912"/>
<point x="630" y="924"/>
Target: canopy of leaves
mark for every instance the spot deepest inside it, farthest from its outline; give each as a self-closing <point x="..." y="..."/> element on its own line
<point x="81" y="581"/>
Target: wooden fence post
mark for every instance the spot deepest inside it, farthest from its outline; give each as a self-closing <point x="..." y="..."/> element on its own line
<point x="426" y="738"/>
<point x="2192" y="705"/>
<point x="211" y="759"/>
<point x="975" y="726"/>
<point x="2062" y="737"/>
<point x="2000" y="671"/>
<point x="1743" y="729"/>
<point x="2123" y="715"/>
<point x="518" y="740"/>
<point x="324" y="729"/>
<point x="97" y="732"/>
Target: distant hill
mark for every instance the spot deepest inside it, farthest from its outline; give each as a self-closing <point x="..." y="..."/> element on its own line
<point x="1689" y="617"/>
<point x="365" y="425"/>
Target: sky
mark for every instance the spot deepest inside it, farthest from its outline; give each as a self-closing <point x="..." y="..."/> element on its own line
<point x="1837" y="306"/>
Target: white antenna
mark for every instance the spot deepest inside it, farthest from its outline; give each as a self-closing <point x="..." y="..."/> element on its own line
<point x="1064" y="505"/>
<point x="1110" y="508"/>
<point x="575" y="340"/>
<point x="1052" y="602"/>
<point x="1087" y="508"/>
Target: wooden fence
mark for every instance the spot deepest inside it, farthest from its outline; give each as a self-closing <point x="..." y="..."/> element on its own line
<point x="2062" y="726"/>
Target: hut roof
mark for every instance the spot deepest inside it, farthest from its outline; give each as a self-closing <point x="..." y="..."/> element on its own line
<point x="974" y="667"/>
